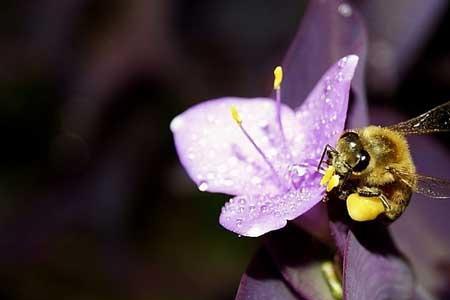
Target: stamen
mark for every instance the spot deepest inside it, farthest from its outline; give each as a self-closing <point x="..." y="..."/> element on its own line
<point x="278" y="79"/>
<point x="235" y="114"/>
<point x="238" y="119"/>
<point x="278" y="73"/>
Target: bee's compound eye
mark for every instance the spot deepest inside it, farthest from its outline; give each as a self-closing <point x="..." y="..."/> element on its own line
<point x="350" y="135"/>
<point x="363" y="161"/>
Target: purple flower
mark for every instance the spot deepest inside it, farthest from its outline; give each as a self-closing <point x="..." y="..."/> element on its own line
<point x="267" y="156"/>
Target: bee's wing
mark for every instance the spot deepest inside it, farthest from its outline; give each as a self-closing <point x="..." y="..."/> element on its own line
<point x="425" y="185"/>
<point x="435" y="120"/>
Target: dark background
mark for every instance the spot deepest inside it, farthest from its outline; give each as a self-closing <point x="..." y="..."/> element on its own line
<point x="93" y="201"/>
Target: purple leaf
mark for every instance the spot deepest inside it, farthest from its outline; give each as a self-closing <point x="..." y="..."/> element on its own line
<point x="299" y="258"/>
<point x="262" y="281"/>
<point x="373" y="268"/>
<point x="394" y="42"/>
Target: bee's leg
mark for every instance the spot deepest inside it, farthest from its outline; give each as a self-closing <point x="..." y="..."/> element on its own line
<point x="327" y="151"/>
<point x="385" y="202"/>
<point x="375" y="192"/>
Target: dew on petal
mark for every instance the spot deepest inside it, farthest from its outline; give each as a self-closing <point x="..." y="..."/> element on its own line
<point x="203" y="186"/>
<point x="345" y="10"/>
<point x="342" y="62"/>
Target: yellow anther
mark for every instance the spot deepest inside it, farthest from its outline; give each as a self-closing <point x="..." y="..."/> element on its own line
<point x="334" y="182"/>
<point x="327" y="176"/>
<point x="278" y="73"/>
<point x="332" y="280"/>
<point x="235" y="114"/>
<point x="364" y="208"/>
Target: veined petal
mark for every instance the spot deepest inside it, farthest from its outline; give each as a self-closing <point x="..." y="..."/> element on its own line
<point x="220" y="158"/>
<point x="373" y="267"/>
<point x="258" y="214"/>
<point x="322" y="116"/>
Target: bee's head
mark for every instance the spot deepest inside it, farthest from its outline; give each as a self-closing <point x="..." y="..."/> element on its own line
<point x="351" y="158"/>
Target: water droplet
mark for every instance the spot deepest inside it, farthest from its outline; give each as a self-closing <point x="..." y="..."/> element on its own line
<point x="203" y="186"/>
<point x="345" y="10"/>
<point x="252" y="208"/>
<point x="342" y="62"/>
<point x="327" y="100"/>
<point x="239" y="222"/>
<point x="176" y="123"/>
<point x="297" y="170"/>
<point x="242" y="201"/>
<point x="241" y="209"/>
<point x="264" y="209"/>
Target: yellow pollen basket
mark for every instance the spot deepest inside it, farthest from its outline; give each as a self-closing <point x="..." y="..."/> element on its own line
<point x="364" y="208"/>
<point x="330" y="179"/>
<point x="235" y="114"/>
<point x="278" y="73"/>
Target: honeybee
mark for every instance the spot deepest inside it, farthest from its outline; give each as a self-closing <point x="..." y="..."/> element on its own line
<point x="372" y="168"/>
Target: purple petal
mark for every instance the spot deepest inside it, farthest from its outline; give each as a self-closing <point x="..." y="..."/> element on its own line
<point x="325" y="35"/>
<point x="255" y="215"/>
<point x="322" y="116"/>
<point x="373" y="268"/>
<point x="218" y="156"/>
<point x="262" y="281"/>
